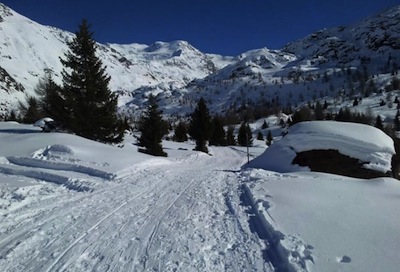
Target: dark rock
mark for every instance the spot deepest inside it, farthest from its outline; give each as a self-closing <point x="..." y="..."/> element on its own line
<point x="331" y="161"/>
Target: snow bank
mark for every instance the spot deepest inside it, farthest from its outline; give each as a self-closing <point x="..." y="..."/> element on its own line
<point x="329" y="222"/>
<point x="358" y="141"/>
<point x="62" y="148"/>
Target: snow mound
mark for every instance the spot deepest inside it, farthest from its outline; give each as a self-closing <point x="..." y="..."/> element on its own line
<point x="357" y="141"/>
<point x="42" y="122"/>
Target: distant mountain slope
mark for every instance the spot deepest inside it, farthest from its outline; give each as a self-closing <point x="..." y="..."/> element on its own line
<point x="28" y="49"/>
<point x="374" y="40"/>
<point x="327" y="64"/>
<point x="342" y="61"/>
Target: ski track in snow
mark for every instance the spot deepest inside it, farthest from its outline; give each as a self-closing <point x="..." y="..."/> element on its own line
<point x="181" y="216"/>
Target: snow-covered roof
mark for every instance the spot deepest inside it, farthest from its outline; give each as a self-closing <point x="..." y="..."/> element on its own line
<point x="362" y="142"/>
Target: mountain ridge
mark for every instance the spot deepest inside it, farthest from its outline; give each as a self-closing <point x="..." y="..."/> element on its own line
<point x="179" y="74"/>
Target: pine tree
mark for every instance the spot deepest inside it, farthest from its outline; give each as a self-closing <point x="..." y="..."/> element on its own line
<point x="230" y="137"/>
<point x="152" y="128"/>
<point x="217" y="136"/>
<point x="91" y="108"/>
<point x="379" y="123"/>
<point x="11" y="117"/>
<point x="52" y="102"/>
<point x="245" y="137"/>
<point x="355" y="102"/>
<point x="318" y="112"/>
<point x="344" y="115"/>
<point x="32" y="112"/>
<point x="200" y="126"/>
<point x="264" y="125"/>
<point x="325" y="106"/>
<point x="180" y="134"/>
<point x="303" y="114"/>
<point x="397" y="121"/>
<point x="260" y="136"/>
<point x="269" y="138"/>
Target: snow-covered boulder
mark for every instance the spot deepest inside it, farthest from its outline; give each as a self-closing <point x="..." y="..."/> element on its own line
<point x="327" y="146"/>
<point x="42" y="122"/>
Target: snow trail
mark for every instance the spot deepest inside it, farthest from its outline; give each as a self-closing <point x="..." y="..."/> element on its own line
<point x="182" y="215"/>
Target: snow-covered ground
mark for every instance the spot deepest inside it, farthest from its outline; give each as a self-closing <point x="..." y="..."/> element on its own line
<point x="324" y="222"/>
<point x="70" y="204"/>
<point x="119" y="210"/>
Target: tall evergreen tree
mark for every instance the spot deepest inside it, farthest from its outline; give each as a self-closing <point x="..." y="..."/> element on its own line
<point x="152" y="128"/>
<point x="245" y="137"/>
<point x="11" y="117"/>
<point x="200" y="126"/>
<point x="269" y="138"/>
<point x="397" y="121"/>
<point x="218" y="136"/>
<point x="318" y="111"/>
<point x="91" y="108"/>
<point x="264" y="125"/>
<point x="32" y="111"/>
<point x="379" y="123"/>
<point x="230" y="137"/>
<point x="52" y="100"/>
<point x="180" y="134"/>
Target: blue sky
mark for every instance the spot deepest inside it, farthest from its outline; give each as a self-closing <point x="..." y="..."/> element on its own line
<point x="227" y="27"/>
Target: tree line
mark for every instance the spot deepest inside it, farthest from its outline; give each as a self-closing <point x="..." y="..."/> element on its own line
<point x="203" y="128"/>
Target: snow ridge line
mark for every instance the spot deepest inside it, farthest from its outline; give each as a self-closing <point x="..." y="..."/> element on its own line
<point x="41" y="175"/>
<point x="31" y="162"/>
<point x="275" y="253"/>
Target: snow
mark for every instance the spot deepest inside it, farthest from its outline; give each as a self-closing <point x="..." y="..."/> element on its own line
<point x="329" y="223"/>
<point x="42" y="122"/>
<point x="325" y="222"/>
<point x="358" y="141"/>
<point x="71" y="204"/>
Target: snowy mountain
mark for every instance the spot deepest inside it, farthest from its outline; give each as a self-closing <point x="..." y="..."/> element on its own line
<point x="324" y="65"/>
<point x="373" y="42"/>
<point x="327" y="64"/>
<point x="29" y="49"/>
